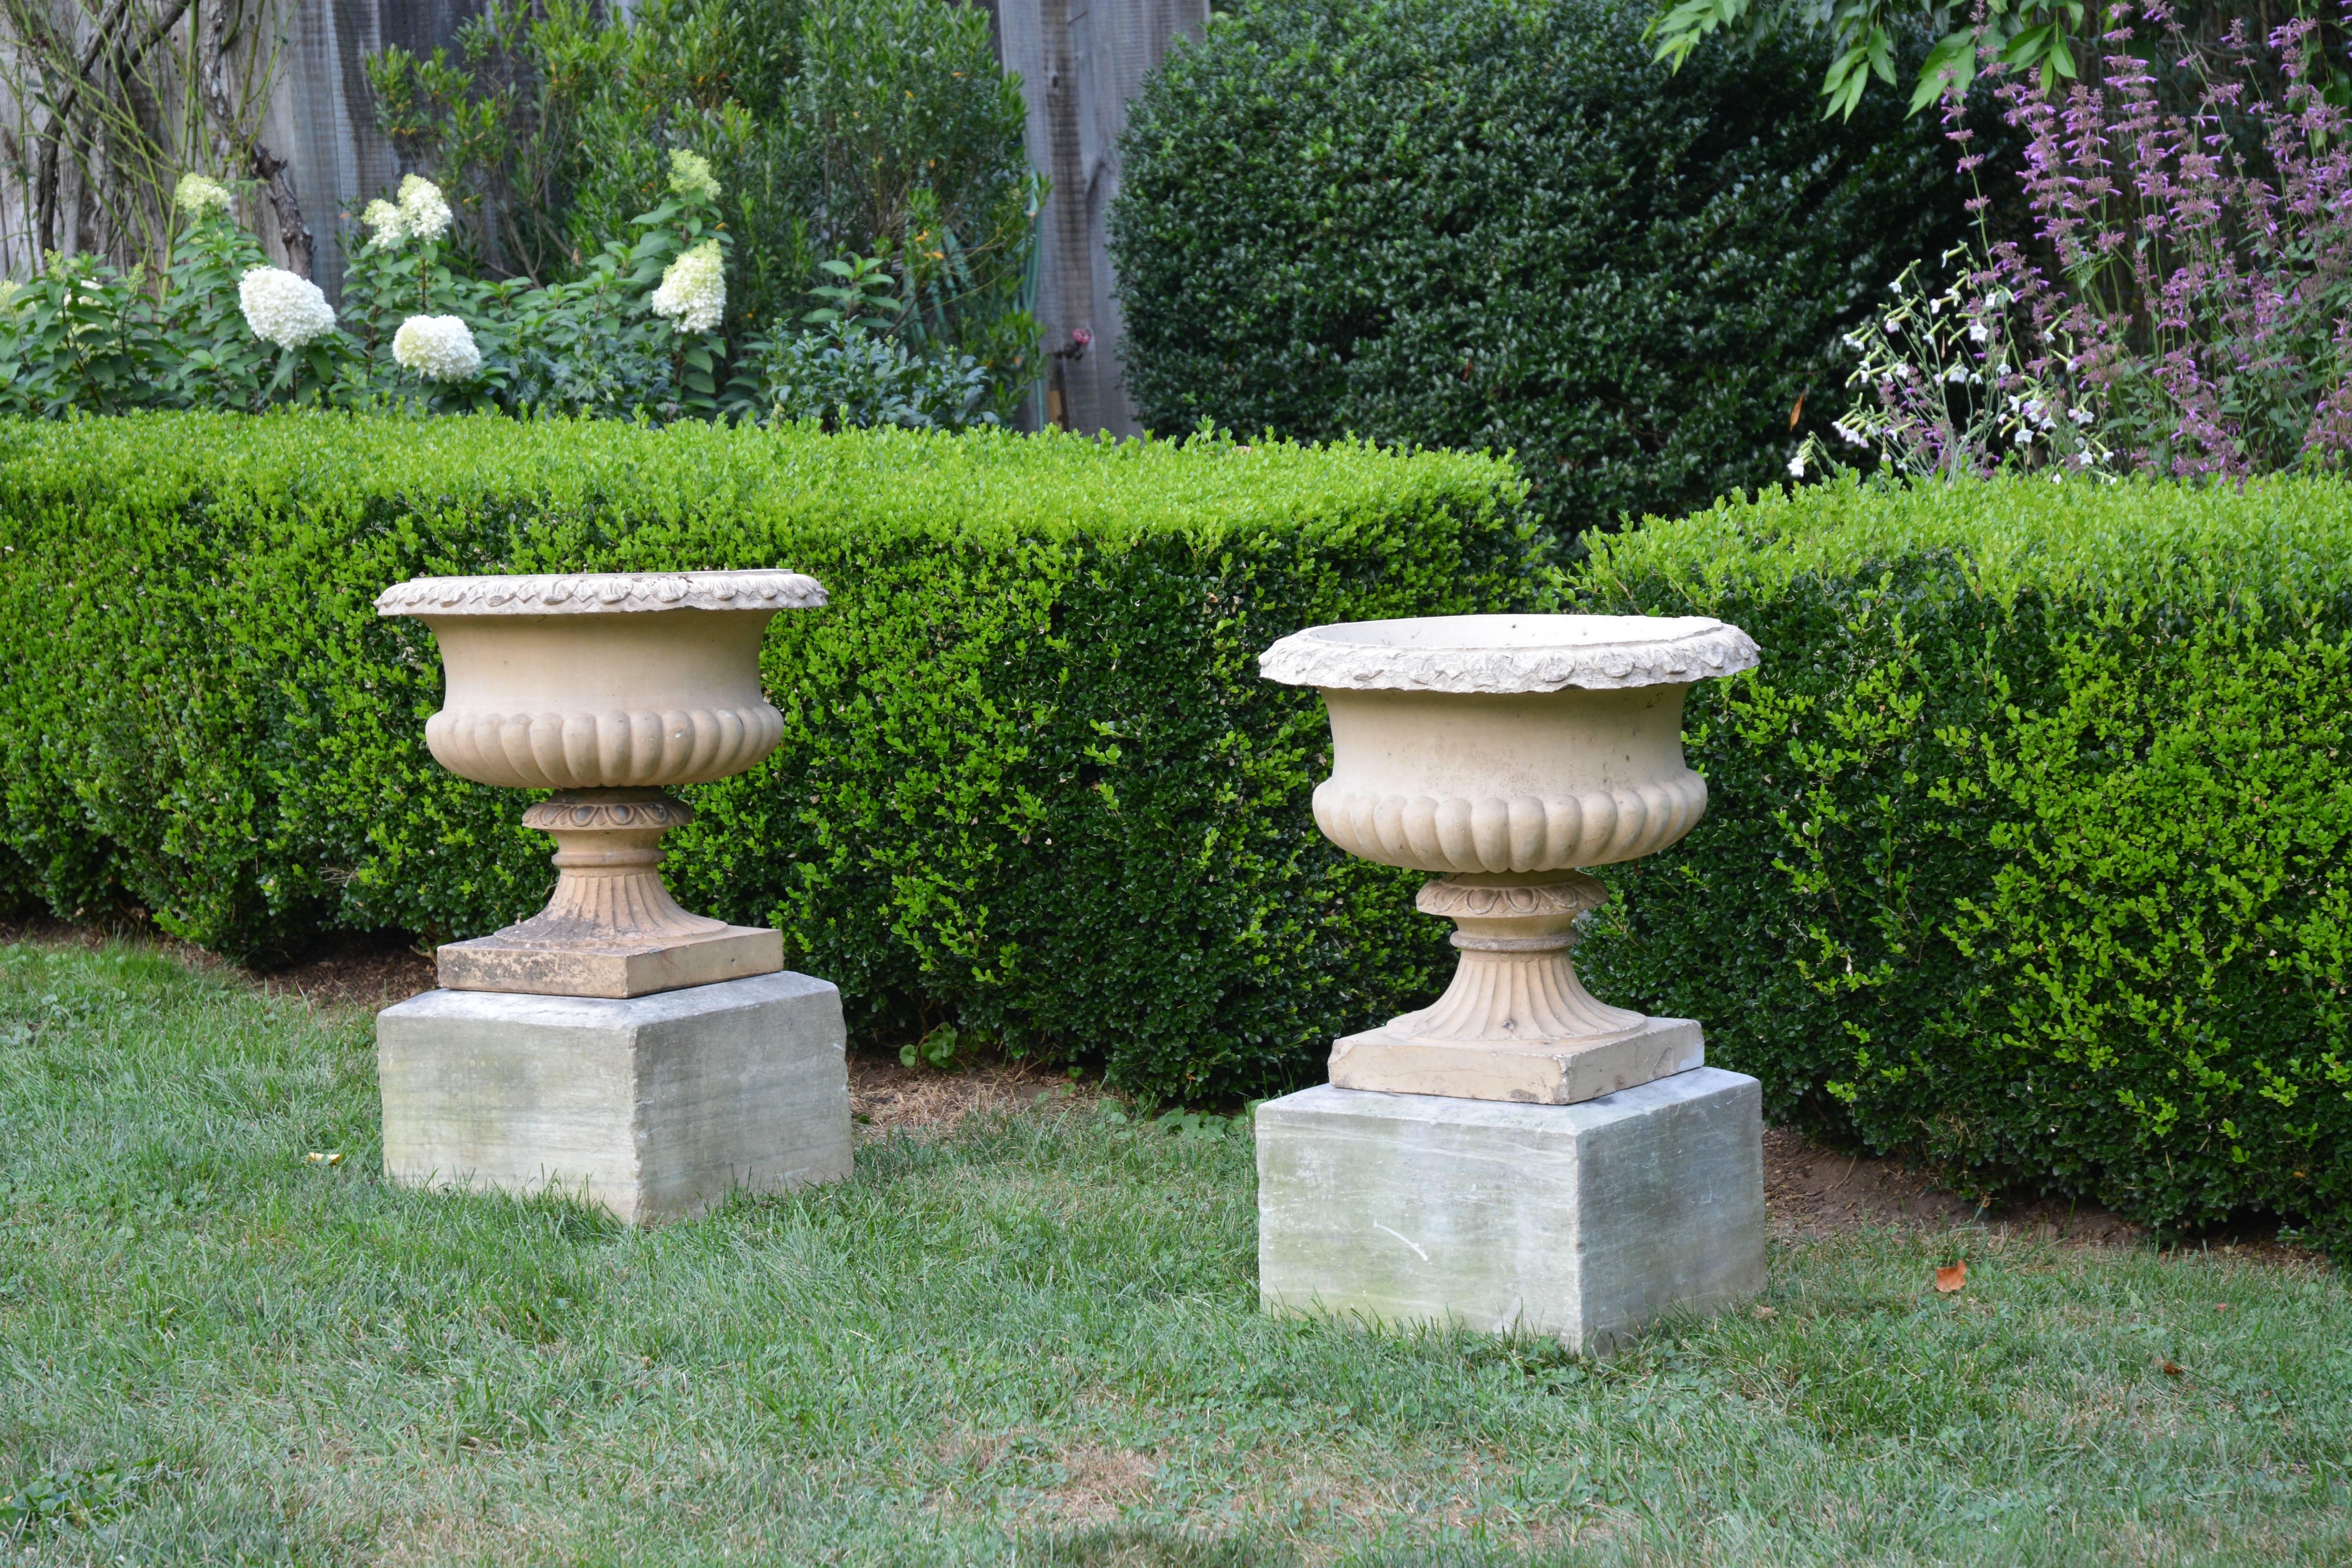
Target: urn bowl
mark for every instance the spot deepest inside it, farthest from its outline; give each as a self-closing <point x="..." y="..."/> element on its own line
<point x="601" y="682"/>
<point x="1491" y="745"/>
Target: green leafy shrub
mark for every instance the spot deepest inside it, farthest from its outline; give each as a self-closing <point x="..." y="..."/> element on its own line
<point x="620" y="340"/>
<point x="1499" y="224"/>
<point x="2028" y="845"/>
<point x="1030" y="787"/>
<point x="833" y="126"/>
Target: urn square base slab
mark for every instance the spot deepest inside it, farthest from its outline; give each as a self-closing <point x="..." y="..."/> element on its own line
<point x="1543" y="1072"/>
<point x="500" y="962"/>
<point x="1584" y="1222"/>
<point x="652" y="1106"/>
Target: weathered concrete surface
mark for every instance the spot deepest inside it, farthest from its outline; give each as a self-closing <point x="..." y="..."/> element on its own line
<point x="653" y="1107"/>
<point x="1581" y="1221"/>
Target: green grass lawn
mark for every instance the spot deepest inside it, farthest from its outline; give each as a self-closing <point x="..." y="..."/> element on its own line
<point x="1034" y="1341"/>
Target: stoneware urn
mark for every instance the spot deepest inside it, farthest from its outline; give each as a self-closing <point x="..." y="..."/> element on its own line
<point x="1502" y="753"/>
<point x="610" y="689"/>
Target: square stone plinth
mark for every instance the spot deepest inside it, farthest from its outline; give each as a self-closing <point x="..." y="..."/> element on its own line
<point x="1542" y="1072"/>
<point x="652" y="1106"/>
<point x="500" y="962"/>
<point x="1581" y="1221"/>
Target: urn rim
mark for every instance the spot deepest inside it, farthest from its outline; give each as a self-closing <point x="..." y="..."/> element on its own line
<point x="602" y="593"/>
<point x="1506" y="655"/>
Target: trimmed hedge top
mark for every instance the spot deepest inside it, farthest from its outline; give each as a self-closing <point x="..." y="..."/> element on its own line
<point x="2286" y="534"/>
<point x="987" y="486"/>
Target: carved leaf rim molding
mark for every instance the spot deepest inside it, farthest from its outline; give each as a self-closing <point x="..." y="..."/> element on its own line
<point x="1703" y="650"/>
<point x="602" y="593"/>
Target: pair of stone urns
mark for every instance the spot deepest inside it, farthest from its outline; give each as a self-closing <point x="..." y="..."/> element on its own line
<point x="1517" y="1157"/>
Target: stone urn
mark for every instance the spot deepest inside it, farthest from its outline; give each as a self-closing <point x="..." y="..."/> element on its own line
<point x="610" y="689"/>
<point x="1502" y="753"/>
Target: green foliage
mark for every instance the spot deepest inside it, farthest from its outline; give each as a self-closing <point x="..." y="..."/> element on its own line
<point x="1030" y="783"/>
<point x="1496" y="225"/>
<point x="81" y="336"/>
<point x="2027" y="845"/>
<point x="833" y="126"/>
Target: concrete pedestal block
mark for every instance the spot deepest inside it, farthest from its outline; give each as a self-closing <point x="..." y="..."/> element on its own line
<point x="1581" y="1221"/>
<point x="653" y="1107"/>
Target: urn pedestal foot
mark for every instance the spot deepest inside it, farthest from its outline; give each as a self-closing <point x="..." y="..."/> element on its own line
<point x="1582" y="1222"/>
<point x="1516" y="1024"/>
<point x="652" y="1108"/>
<point x="611" y="929"/>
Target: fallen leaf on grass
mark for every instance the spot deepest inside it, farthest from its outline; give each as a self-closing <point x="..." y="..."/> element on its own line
<point x="1951" y="1277"/>
<point x="2171" y="1368"/>
<point x="1763" y="1312"/>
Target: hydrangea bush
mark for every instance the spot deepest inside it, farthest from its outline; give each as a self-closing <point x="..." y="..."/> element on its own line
<point x="642" y="332"/>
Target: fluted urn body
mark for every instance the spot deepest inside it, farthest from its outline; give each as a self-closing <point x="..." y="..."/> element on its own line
<point x="608" y="688"/>
<point x="1506" y="752"/>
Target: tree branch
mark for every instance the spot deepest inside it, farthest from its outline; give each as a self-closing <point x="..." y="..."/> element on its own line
<point x="268" y="167"/>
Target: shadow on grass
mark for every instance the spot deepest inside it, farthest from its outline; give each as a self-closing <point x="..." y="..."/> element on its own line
<point x="1131" y="1546"/>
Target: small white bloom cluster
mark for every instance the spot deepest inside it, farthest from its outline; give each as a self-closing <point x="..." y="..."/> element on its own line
<point x="693" y="292"/>
<point x="381" y="220"/>
<point x="438" y="348"/>
<point x="422" y="213"/>
<point x="282" y="309"/>
<point x="690" y="176"/>
<point x="199" y="196"/>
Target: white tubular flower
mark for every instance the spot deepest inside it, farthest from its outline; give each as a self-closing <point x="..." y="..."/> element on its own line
<point x="693" y="292"/>
<point x="282" y="309"/>
<point x="423" y="211"/>
<point x="384" y="223"/>
<point x="1797" y="467"/>
<point x="438" y="348"/>
<point x="690" y="176"/>
<point x="199" y="197"/>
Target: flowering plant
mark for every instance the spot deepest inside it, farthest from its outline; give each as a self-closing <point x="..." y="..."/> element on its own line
<point x="2198" y="322"/>
<point x="283" y="308"/>
<point x="438" y="348"/>
<point x="640" y="331"/>
<point x="692" y="295"/>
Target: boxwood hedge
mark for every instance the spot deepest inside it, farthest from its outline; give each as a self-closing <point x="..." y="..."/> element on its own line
<point x="2031" y="842"/>
<point x="1030" y="783"/>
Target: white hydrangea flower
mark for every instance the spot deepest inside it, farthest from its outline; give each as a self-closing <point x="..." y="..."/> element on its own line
<point x="383" y="221"/>
<point x="424" y="211"/>
<point x="438" y="348"/>
<point x="282" y="309"/>
<point x="199" y="196"/>
<point x="690" y="176"/>
<point x="693" y="292"/>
